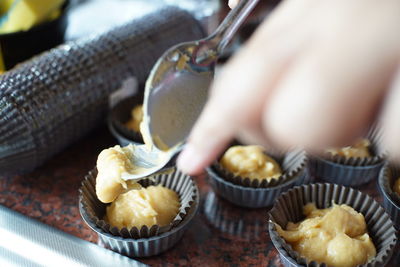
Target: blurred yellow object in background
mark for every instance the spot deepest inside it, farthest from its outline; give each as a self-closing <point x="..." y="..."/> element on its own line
<point x="22" y="15"/>
<point x="5" y="6"/>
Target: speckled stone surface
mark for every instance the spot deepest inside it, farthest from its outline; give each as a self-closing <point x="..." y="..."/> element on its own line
<point x="221" y="235"/>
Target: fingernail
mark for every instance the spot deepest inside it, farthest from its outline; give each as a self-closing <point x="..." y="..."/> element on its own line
<point x="189" y="160"/>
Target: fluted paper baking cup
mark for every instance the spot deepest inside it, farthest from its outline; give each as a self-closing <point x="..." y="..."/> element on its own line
<point x="350" y="171"/>
<point x="122" y="140"/>
<point x="374" y="136"/>
<point x="95" y="210"/>
<point x="292" y="163"/>
<point x="251" y="197"/>
<point x="343" y="174"/>
<point x="391" y="200"/>
<point x="289" y="208"/>
<point x="120" y="114"/>
<point x="143" y="247"/>
<point x="233" y="222"/>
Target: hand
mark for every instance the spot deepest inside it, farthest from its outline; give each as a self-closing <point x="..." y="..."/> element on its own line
<point x="233" y="3"/>
<point x="314" y="74"/>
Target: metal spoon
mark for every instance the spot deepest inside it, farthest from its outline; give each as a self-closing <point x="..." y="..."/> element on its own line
<point x="177" y="90"/>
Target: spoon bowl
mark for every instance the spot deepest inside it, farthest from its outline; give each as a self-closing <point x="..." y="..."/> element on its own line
<point x="149" y="161"/>
<point x="177" y="90"/>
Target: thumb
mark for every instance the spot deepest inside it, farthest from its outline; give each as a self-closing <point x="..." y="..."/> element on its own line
<point x="233" y="3"/>
<point x="209" y="137"/>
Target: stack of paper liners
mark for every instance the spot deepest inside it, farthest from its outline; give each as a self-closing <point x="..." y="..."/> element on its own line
<point x="59" y="96"/>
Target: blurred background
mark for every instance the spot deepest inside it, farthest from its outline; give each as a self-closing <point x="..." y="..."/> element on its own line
<point x="28" y="27"/>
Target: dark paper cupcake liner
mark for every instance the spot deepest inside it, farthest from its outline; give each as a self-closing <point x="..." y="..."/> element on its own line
<point x="233" y="222"/>
<point x="391" y="200"/>
<point x="289" y="206"/>
<point x="175" y="181"/>
<point x="122" y="140"/>
<point x="350" y="171"/>
<point x="145" y="241"/>
<point x="120" y="114"/>
<point x="291" y="164"/>
<point x="374" y="136"/>
<point x="251" y="197"/>
<point x="343" y="174"/>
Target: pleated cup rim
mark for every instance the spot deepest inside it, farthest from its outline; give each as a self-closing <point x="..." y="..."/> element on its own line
<point x="385" y="185"/>
<point x="118" y="111"/>
<point x="247" y="188"/>
<point x="90" y="208"/>
<point x="190" y="215"/>
<point x="374" y="136"/>
<point x="340" y="165"/>
<point x="122" y="140"/>
<point x="288" y="175"/>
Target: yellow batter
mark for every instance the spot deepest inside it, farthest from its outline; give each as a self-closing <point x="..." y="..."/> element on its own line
<point x="147" y="206"/>
<point x="112" y="164"/>
<point x="336" y="236"/>
<point x="136" y="118"/>
<point x="358" y="150"/>
<point x="396" y="186"/>
<point x="251" y="162"/>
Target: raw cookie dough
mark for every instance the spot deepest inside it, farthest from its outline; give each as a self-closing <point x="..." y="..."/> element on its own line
<point x="136" y="118"/>
<point x="112" y="164"/>
<point x="396" y="186"/>
<point x="358" y="150"/>
<point x="147" y="206"/>
<point x="336" y="236"/>
<point x="251" y="162"/>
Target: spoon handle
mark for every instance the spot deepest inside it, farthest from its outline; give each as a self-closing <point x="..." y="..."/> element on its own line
<point x="226" y="30"/>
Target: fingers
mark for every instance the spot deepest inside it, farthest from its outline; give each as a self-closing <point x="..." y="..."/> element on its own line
<point x="212" y="132"/>
<point x="328" y="97"/>
<point x="237" y="97"/>
<point x="233" y="3"/>
<point x="391" y="120"/>
<point x="310" y="77"/>
<point x="242" y="89"/>
<point x="228" y="108"/>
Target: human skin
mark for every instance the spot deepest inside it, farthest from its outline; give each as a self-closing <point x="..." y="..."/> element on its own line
<point x="315" y="74"/>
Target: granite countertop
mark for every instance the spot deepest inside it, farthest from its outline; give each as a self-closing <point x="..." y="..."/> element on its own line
<point x="221" y="234"/>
